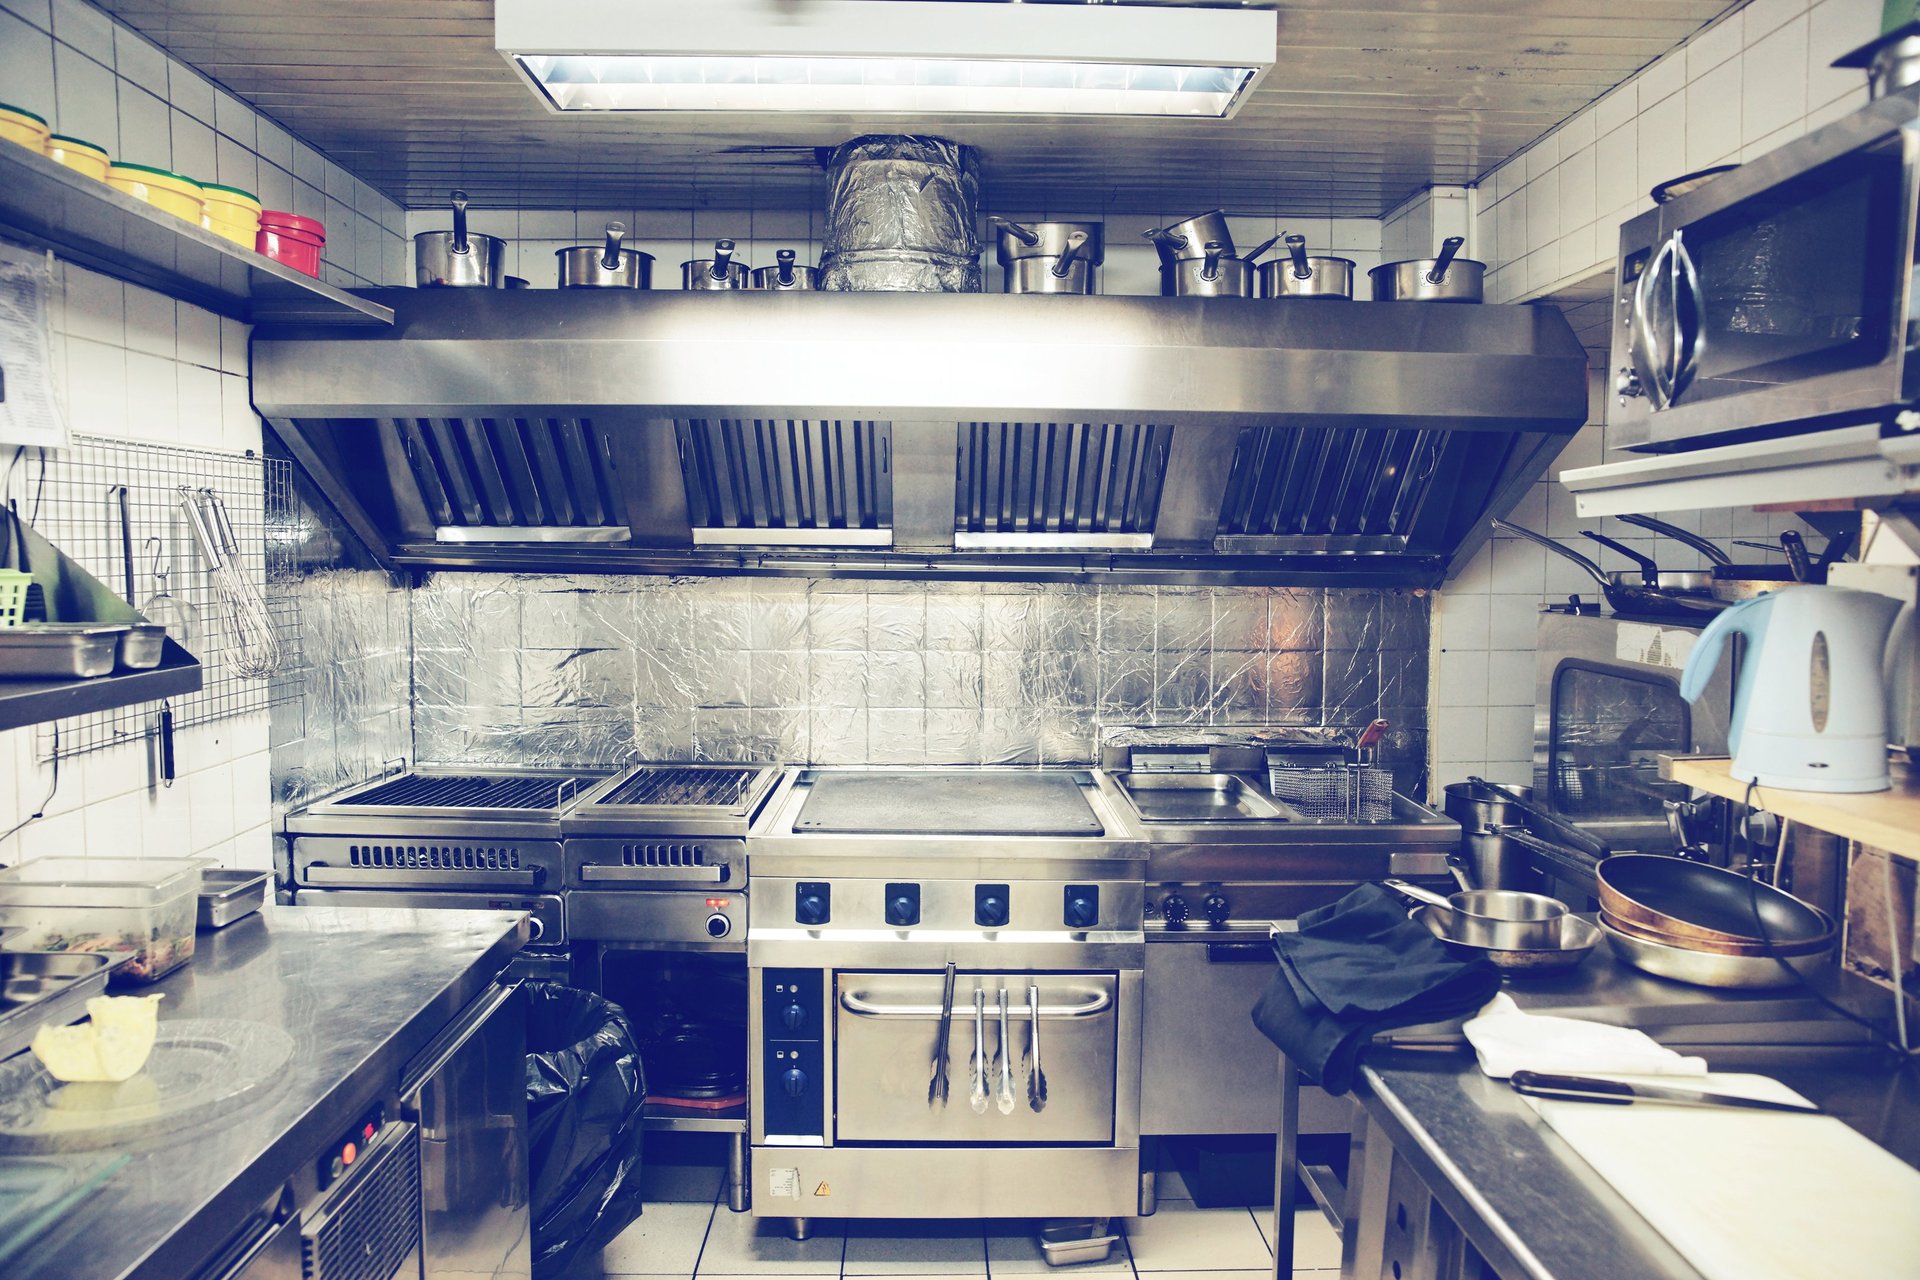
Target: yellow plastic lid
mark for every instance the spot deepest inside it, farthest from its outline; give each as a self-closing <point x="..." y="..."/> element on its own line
<point x="231" y="195"/>
<point x="70" y="143"/>
<point x="22" y="111"/>
<point x="148" y="173"/>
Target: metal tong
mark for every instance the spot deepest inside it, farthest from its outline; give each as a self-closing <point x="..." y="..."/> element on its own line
<point x="1005" y="1098"/>
<point x="1037" y="1077"/>
<point x="977" y="1095"/>
<point x="937" y="1086"/>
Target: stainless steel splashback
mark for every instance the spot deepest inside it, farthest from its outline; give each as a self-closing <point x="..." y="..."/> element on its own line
<point x="1126" y="439"/>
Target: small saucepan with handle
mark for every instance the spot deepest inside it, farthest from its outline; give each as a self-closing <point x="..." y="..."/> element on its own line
<point x="459" y="258"/>
<point x="605" y="266"/>
<point x="1446" y="278"/>
<point x="1300" y="276"/>
<point x="1501" y="919"/>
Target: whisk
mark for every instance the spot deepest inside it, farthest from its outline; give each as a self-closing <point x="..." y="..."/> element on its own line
<point x="244" y="611"/>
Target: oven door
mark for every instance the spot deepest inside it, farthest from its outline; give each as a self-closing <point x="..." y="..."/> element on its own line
<point x="884" y="1029"/>
<point x="1775" y="295"/>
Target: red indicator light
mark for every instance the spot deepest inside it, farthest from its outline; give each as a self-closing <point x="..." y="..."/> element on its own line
<point x="349" y="1153"/>
<point x="367" y="1132"/>
<point x="719" y="902"/>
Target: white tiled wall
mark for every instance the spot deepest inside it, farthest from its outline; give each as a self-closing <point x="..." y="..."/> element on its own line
<point x="133" y="364"/>
<point x="1550" y="217"/>
<point x="676" y="236"/>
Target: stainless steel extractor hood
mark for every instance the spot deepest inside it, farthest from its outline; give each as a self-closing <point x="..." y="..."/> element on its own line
<point x="1157" y="439"/>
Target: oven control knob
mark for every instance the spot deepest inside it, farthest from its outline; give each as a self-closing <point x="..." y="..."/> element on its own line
<point x="1174" y="909"/>
<point x="812" y="903"/>
<point x="794" y="1081"/>
<point x="1216" y="908"/>
<point x="792" y="1016"/>
<point x="990" y="911"/>
<point x="718" y="926"/>
<point x="1082" y="906"/>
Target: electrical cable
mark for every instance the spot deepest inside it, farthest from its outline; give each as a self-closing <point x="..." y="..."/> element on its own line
<point x="40" y="810"/>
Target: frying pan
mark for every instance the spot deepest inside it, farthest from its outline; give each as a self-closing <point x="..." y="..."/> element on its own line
<point x="1622" y="593"/>
<point x="1496" y="919"/>
<point x="1687" y="581"/>
<point x="1810" y="947"/>
<point x="1704" y="969"/>
<point x="1736" y="582"/>
<point x="1693" y="902"/>
<point x="1576" y="940"/>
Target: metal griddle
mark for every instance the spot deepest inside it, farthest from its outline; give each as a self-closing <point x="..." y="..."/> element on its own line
<point x="987" y="803"/>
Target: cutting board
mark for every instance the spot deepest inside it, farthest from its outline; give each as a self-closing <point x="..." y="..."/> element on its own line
<point x="1754" y="1195"/>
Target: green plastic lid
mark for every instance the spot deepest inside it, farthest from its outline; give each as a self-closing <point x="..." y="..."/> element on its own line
<point x="72" y="141"/>
<point x="22" y="111"/>
<point x="147" y="168"/>
<point x="232" y="191"/>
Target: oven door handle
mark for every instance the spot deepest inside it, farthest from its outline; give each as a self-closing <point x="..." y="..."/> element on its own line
<point x="1260" y="952"/>
<point x="615" y="874"/>
<point x="415" y="878"/>
<point x="861" y="1007"/>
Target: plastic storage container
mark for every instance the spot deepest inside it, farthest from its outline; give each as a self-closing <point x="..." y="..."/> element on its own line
<point x="232" y="214"/>
<point x="21" y="126"/>
<point x="145" y="906"/>
<point x="292" y="240"/>
<point x="79" y="155"/>
<point x="168" y="192"/>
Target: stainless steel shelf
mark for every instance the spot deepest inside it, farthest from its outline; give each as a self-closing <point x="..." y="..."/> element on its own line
<point x="730" y="1121"/>
<point x="27" y="702"/>
<point x="1847" y="462"/>
<point x="87" y="222"/>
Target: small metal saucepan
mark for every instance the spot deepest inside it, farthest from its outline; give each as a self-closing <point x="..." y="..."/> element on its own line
<point x="605" y="266"/>
<point x="457" y="258"/>
<point x="1447" y="278"/>
<point x="786" y="275"/>
<point x="1071" y="272"/>
<point x="1017" y="240"/>
<point x="1298" y="276"/>
<point x="1191" y="237"/>
<point x="1215" y="275"/>
<point x="1497" y="918"/>
<point x="718" y="272"/>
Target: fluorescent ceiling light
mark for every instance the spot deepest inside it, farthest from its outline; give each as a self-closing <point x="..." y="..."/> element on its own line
<point x="885" y="57"/>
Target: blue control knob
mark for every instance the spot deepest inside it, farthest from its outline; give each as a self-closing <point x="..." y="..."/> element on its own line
<point x="811" y="909"/>
<point x="794" y="1081"/>
<point x="991" y="912"/>
<point x="1082" y="912"/>
<point x="793" y="1015"/>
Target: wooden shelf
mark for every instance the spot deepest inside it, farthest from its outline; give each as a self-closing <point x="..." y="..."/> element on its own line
<point x="1888" y="820"/>
<point x="26" y="702"/>
<point x="52" y="207"/>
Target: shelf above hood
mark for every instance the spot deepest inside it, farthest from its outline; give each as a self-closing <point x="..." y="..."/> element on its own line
<point x="1161" y="439"/>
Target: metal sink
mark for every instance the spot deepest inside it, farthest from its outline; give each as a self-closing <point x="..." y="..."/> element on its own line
<point x="1199" y="797"/>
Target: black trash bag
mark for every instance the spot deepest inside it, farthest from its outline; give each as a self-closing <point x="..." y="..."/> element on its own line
<point x="586" y="1097"/>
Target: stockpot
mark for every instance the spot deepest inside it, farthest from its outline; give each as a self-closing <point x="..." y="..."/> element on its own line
<point x="1071" y="271"/>
<point x="718" y="272"/>
<point x="1017" y="240"/>
<point x="1447" y="278"/>
<point x="456" y="258"/>
<point x="786" y="275"/>
<point x="1298" y="276"/>
<point x="605" y="266"/>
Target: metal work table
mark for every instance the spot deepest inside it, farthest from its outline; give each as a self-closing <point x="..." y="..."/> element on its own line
<point x="360" y="991"/>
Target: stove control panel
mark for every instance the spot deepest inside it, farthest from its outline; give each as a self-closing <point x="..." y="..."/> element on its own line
<point x="812" y="903"/>
<point x="991" y="905"/>
<point x="863" y="907"/>
<point x="792" y="1053"/>
<point x="903" y="905"/>
<point x="1080" y="906"/>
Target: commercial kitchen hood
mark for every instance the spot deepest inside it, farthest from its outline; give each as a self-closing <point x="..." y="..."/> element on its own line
<point x="926" y="435"/>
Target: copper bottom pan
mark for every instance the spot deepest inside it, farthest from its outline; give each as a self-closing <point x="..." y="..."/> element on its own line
<point x="1812" y="946"/>
<point x="1691" y="902"/>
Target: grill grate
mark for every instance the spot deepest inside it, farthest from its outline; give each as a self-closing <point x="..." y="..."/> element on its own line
<point x="435" y="857"/>
<point x="679" y="785"/>
<point x="470" y="791"/>
<point x="1059" y="478"/>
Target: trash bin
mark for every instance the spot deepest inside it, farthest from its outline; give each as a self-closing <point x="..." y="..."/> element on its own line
<point x="586" y="1098"/>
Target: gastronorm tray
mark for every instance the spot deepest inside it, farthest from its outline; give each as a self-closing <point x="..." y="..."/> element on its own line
<point x="227" y="895"/>
<point x="45" y="988"/>
<point x="142" y="647"/>
<point x="58" y="650"/>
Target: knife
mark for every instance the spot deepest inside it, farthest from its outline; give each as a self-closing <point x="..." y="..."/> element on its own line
<point x="1539" y="1084"/>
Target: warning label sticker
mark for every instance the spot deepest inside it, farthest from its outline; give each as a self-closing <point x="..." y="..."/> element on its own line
<point x="784" y="1183"/>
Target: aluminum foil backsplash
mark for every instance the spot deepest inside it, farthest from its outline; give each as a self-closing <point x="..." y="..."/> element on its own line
<point x="344" y="714"/>
<point x="588" y="670"/>
<point x="902" y="216"/>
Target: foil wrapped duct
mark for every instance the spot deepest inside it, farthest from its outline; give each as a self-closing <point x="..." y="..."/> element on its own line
<point x="902" y="216"/>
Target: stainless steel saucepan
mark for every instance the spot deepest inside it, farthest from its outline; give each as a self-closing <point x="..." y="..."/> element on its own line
<point x="1447" y="278"/>
<point x="1017" y="240"/>
<point x="1071" y="272"/>
<point x="718" y="272"/>
<point x="1191" y="237"/>
<point x="1216" y="274"/>
<point x="1499" y="918"/>
<point x="457" y="258"/>
<point x="1299" y="276"/>
<point x="786" y="274"/>
<point x="605" y="266"/>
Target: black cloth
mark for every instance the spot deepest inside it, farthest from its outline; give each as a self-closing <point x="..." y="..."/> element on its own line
<point x="1356" y="968"/>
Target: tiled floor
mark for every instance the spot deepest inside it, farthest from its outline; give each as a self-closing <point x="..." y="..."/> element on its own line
<point x="687" y="1231"/>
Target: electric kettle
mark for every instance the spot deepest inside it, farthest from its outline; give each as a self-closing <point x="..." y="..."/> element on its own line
<point x="1809" y="706"/>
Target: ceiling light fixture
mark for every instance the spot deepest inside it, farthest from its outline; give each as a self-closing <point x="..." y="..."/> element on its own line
<point x="900" y="57"/>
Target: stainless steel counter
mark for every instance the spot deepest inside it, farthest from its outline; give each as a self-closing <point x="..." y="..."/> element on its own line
<point x="360" y="991"/>
<point x="1522" y="1199"/>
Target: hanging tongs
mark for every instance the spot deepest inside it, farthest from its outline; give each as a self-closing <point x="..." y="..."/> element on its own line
<point x="937" y="1086"/>
<point x="722" y="265"/>
<point x="1037" y="1077"/>
<point x="610" y="256"/>
<point x="1005" y="1098"/>
<point x="977" y="1093"/>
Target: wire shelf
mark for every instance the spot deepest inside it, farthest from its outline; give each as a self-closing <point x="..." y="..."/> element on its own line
<point x="72" y="498"/>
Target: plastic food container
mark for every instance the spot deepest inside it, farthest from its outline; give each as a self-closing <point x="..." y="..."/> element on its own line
<point x="231" y="214"/>
<point x="21" y="126"/>
<point x="292" y="240"/>
<point x="166" y="191"/>
<point x="79" y="155"/>
<point x="141" y="906"/>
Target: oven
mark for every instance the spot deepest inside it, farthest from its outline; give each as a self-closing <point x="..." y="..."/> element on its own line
<point x="868" y="885"/>
<point x="1774" y="297"/>
<point x="1607" y="706"/>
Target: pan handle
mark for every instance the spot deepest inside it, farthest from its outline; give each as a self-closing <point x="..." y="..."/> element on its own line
<point x="1448" y="248"/>
<point x="1565" y="860"/>
<point x="1076" y="241"/>
<point x="1025" y="235"/>
<point x="784" y="274"/>
<point x="1649" y="571"/>
<point x="1682" y="536"/>
<point x="1263" y="247"/>
<point x="1297" y="250"/>
<point x="722" y="259"/>
<point x="1426" y="897"/>
<point x="1210" y="269"/>
<point x="610" y="256"/>
<point x="1565" y="833"/>
<point x="1594" y="571"/>
<point x="459" y="222"/>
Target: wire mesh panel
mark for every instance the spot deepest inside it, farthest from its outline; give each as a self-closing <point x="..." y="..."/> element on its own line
<point x="75" y="499"/>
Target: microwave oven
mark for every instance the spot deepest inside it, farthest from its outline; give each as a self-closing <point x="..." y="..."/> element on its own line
<point x="1778" y="297"/>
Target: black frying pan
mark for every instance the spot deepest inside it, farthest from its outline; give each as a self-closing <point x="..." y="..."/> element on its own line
<point x="1624" y="594"/>
<point x="1690" y="900"/>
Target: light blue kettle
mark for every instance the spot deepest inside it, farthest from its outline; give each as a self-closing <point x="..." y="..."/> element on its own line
<point x="1809" y="707"/>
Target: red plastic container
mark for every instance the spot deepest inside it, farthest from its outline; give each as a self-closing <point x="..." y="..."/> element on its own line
<point x="292" y="240"/>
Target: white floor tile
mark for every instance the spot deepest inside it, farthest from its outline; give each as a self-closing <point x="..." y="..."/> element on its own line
<point x="1181" y="1237"/>
<point x="739" y="1244"/>
<point x="665" y="1241"/>
<point x="1243" y="1274"/>
<point x="1315" y="1243"/>
<point x="1013" y="1250"/>
<point x="916" y="1249"/>
<point x="681" y="1183"/>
